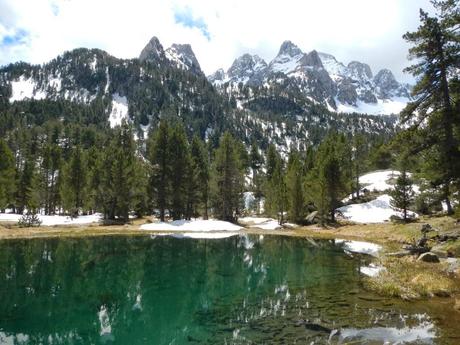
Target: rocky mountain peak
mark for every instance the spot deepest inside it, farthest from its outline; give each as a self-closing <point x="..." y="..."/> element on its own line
<point x="311" y="59"/>
<point x="217" y="76"/>
<point x="290" y="49"/>
<point x="245" y="67"/>
<point x="153" y="51"/>
<point x="184" y="57"/>
<point x="385" y="78"/>
<point x="359" y="70"/>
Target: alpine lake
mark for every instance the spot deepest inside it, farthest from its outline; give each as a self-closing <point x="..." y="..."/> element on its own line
<point x="244" y="289"/>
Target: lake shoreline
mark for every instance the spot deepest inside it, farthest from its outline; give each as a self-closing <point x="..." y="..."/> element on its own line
<point x="403" y="277"/>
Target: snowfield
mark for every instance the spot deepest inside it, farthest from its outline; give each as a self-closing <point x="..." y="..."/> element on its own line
<point x="119" y="110"/>
<point x="54" y="220"/>
<point x="375" y="211"/>
<point x="378" y="180"/>
<point x="198" y="225"/>
<point x="260" y="223"/>
<point x="382" y="107"/>
<point x="378" y="210"/>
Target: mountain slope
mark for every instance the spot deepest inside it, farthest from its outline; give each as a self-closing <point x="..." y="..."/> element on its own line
<point x="91" y="86"/>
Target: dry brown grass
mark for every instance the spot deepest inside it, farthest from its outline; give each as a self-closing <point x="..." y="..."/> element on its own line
<point x="410" y="279"/>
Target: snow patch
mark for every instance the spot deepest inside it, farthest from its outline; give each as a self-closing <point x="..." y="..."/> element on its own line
<point x="382" y="107"/>
<point x="119" y="110"/>
<point x="23" y="88"/>
<point x="54" y="220"/>
<point x="378" y="180"/>
<point x="375" y="211"/>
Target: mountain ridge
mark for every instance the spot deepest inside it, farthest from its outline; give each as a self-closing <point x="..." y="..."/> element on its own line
<point x="323" y="78"/>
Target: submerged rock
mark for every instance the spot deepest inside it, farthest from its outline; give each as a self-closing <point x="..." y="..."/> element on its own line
<point x="428" y="257"/>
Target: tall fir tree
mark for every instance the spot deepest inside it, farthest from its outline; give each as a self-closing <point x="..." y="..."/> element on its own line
<point x="179" y="160"/>
<point x="295" y="190"/>
<point x="7" y="176"/>
<point x="200" y="175"/>
<point x="73" y="185"/>
<point x="432" y="114"/>
<point x="158" y="155"/>
<point x="227" y="179"/>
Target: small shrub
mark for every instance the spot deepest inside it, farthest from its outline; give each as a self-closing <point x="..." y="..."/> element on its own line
<point x="28" y="220"/>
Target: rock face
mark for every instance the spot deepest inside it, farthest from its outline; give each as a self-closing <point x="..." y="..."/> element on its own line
<point x="318" y="76"/>
<point x="153" y="51"/>
<point x="184" y="57"/>
<point x="428" y="257"/>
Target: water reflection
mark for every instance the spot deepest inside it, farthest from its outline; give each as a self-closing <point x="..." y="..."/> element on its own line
<point x="166" y="290"/>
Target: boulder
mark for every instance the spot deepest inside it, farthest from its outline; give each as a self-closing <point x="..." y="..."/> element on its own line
<point x="428" y="257"/>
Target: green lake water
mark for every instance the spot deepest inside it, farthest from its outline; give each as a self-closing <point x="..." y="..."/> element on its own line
<point x="167" y="290"/>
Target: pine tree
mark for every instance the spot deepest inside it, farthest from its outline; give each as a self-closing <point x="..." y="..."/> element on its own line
<point x="26" y="192"/>
<point x="436" y="49"/>
<point x="295" y="192"/>
<point x="158" y="154"/>
<point x="359" y="152"/>
<point x="275" y="188"/>
<point x="256" y="162"/>
<point x="403" y="194"/>
<point x="199" y="176"/>
<point x="178" y="156"/>
<point x="227" y="179"/>
<point x="329" y="181"/>
<point x="123" y="171"/>
<point x="7" y="176"/>
<point x="74" y="182"/>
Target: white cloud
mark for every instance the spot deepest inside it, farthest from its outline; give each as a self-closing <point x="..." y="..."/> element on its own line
<point x="369" y="31"/>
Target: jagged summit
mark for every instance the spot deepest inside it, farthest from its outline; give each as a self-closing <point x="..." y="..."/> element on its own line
<point x="290" y="49"/>
<point x="184" y="57"/>
<point x="323" y="79"/>
<point x="153" y="51"/>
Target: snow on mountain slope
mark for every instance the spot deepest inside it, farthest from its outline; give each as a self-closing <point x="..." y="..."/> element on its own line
<point x="382" y="107"/>
<point x="119" y="110"/>
<point x="25" y="89"/>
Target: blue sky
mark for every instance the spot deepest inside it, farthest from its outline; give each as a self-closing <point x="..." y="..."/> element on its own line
<point x="185" y="17"/>
<point x="219" y="31"/>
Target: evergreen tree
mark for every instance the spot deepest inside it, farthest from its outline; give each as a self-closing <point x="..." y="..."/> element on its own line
<point x="330" y="184"/>
<point x="256" y="162"/>
<point x="158" y="154"/>
<point x="295" y="191"/>
<point x="199" y="177"/>
<point x="275" y="186"/>
<point x="26" y="192"/>
<point x="436" y="49"/>
<point x="359" y="153"/>
<point x="227" y="179"/>
<point x="7" y="176"/>
<point x="178" y="158"/>
<point x="123" y="168"/>
<point x="74" y="182"/>
<point x="403" y="194"/>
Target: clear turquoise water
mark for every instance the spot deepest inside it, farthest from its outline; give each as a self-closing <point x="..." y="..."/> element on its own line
<point x="165" y="290"/>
